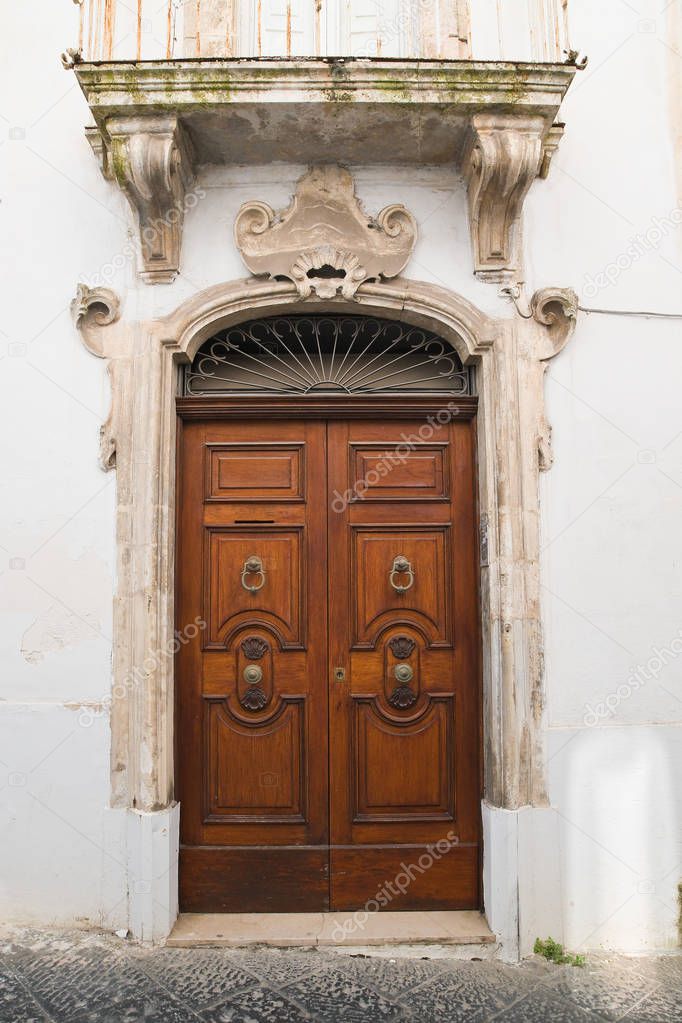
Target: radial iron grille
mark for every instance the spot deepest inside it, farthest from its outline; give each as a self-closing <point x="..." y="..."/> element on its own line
<point x="343" y="354"/>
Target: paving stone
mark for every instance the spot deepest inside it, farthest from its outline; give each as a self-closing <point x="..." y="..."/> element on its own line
<point x="543" y="1006"/>
<point x="331" y="995"/>
<point x="609" y="992"/>
<point x="16" y="1004"/>
<point x="196" y="977"/>
<point x="259" y="1005"/>
<point x="274" y="966"/>
<point x="665" y="970"/>
<point x="661" y="1006"/>
<point x="391" y="977"/>
<point x="473" y="992"/>
<point x="93" y="986"/>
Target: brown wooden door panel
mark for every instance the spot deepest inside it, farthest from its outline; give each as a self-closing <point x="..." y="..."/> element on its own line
<point x="252" y="688"/>
<point x="404" y="743"/>
<point x="404" y="877"/>
<point x="299" y="790"/>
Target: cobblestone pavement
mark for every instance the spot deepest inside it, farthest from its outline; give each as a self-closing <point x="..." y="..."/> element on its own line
<point x="89" y="978"/>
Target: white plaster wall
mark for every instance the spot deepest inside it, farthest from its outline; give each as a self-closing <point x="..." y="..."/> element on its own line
<point x="612" y="504"/>
<point x="60" y="854"/>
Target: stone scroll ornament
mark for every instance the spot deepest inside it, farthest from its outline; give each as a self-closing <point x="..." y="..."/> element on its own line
<point x="324" y="242"/>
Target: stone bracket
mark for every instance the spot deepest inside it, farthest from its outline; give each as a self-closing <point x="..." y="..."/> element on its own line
<point x="505" y="154"/>
<point x="150" y="157"/>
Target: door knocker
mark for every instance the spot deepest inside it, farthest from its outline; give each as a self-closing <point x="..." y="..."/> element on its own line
<point x="253" y="566"/>
<point x="400" y="566"/>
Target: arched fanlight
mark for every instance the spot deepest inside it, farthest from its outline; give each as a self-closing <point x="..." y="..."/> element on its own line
<point x="325" y="354"/>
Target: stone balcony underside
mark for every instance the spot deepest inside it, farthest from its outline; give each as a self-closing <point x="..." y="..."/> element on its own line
<point x="352" y="111"/>
<point x="158" y="121"/>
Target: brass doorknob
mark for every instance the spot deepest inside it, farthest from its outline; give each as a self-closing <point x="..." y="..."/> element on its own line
<point x="403" y="672"/>
<point x="253" y="674"/>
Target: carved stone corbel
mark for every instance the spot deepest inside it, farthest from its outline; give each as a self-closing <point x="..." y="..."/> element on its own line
<point x="151" y="159"/>
<point x="503" y="157"/>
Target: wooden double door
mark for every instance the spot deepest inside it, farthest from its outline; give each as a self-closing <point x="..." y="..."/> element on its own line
<point x="327" y="738"/>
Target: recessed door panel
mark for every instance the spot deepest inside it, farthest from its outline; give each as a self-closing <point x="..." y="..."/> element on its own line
<point x="403" y="769"/>
<point x="254" y="472"/>
<point x="255" y="769"/>
<point x="399" y="472"/>
<point x="399" y="574"/>
<point x="255" y="575"/>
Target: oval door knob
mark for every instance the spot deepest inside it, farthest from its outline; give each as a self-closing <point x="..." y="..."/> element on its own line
<point x="401" y="566"/>
<point x="403" y="672"/>
<point x="253" y="566"/>
<point x="253" y="674"/>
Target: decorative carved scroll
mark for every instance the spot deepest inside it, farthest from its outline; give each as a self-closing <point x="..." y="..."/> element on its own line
<point x="324" y="242"/>
<point x="557" y="309"/>
<point x="254" y="698"/>
<point x="151" y="161"/>
<point x="255" y="682"/>
<point x="401" y="647"/>
<point x="402" y="697"/>
<point x="254" y="647"/>
<point x="91" y="309"/>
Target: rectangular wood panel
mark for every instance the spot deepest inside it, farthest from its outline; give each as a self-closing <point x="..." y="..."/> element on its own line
<point x="256" y="774"/>
<point x="374" y="549"/>
<point x="403" y="772"/>
<point x="408" y="877"/>
<point x="254" y="472"/>
<point x="281" y="596"/>
<point x="399" y="472"/>
<point x="255" y="880"/>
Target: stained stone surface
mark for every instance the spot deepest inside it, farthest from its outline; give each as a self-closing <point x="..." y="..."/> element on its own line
<point x="92" y="978"/>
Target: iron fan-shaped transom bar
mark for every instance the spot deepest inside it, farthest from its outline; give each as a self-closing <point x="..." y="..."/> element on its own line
<point x="344" y="354"/>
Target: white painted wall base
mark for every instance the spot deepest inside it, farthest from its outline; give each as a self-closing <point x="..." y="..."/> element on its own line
<point x="521" y="877"/>
<point x="152" y="856"/>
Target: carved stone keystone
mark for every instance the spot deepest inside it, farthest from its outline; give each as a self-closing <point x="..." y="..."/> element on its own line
<point x="324" y="242"/>
<point x="151" y="160"/>
<point x="504" y="156"/>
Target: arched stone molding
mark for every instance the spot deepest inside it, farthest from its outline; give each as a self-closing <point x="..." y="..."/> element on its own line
<point x="511" y="355"/>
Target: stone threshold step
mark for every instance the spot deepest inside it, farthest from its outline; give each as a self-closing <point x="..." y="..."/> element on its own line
<point x="236" y="930"/>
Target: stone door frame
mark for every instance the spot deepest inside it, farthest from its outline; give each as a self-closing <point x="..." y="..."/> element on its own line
<point x="138" y="439"/>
